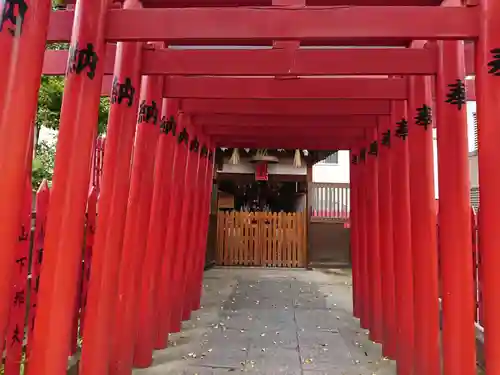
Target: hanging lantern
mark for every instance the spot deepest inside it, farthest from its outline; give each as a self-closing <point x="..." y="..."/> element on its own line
<point x="297" y="160"/>
<point x="261" y="171"/>
<point x="235" y="157"/>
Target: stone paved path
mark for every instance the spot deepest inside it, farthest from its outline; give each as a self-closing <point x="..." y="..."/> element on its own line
<point x="272" y="321"/>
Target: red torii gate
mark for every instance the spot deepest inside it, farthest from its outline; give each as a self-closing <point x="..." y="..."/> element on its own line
<point x="269" y="62"/>
<point x="393" y="226"/>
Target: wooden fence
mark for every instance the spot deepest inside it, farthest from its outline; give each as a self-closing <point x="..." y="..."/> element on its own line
<point x="261" y="239"/>
<point x="329" y="200"/>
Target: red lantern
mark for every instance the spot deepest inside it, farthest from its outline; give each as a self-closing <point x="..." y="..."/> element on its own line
<point x="261" y="171"/>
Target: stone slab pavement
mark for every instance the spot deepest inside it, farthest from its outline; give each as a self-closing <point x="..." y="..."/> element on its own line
<point x="272" y="321"/>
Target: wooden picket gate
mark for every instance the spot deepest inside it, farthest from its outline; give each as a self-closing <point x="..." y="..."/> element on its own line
<point x="261" y="239"/>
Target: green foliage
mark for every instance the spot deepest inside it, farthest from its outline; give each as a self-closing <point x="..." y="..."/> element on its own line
<point x="49" y="109"/>
<point x="43" y="163"/>
<point x="50" y="101"/>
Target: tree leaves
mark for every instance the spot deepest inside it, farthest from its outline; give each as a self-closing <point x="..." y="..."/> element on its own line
<point x="43" y="163"/>
<point x="50" y="101"/>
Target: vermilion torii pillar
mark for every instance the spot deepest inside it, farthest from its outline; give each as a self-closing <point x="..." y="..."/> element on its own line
<point x="387" y="269"/>
<point x="353" y="221"/>
<point x="103" y="284"/>
<point x="202" y="239"/>
<point x="488" y="84"/>
<point x="403" y="268"/>
<point x="66" y="216"/>
<point x="22" y="42"/>
<point x="371" y="185"/>
<point x="193" y="241"/>
<point x="181" y="249"/>
<point x="166" y="292"/>
<point x="423" y="227"/>
<point x="455" y="237"/>
<point x="368" y="253"/>
<point x="176" y="169"/>
<point x="168" y="124"/>
<point x="363" y="243"/>
<point x="154" y="249"/>
<point x="180" y="179"/>
<point x="185" y="243"/>
<point x="136" y="226"/>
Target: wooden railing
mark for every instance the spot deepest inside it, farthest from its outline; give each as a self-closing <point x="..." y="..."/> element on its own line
<point x="329" y="201"/>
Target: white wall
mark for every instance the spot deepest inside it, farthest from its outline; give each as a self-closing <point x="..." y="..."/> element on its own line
<point x="331" y="172"/>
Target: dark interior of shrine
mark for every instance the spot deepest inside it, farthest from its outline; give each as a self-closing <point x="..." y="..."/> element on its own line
<point x="273" y="196"/>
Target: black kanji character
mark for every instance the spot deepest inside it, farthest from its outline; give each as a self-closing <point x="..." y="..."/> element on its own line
<point x="91" y="228"/>
<point x="21" y="262"/>
<point x="41" y="235"/>
<point x="204" y="151"/>
<point x="16" y="336"/>
<point x="373" y="148"/>
<point x="19" y="298"/>
<point x="148" y="112"/>
<point x="39" y="257"/>
<point x="14" y="12"/>
<point x="24" y="234"/>
<point x="402" y="129"/>
<point x="183" y="136"/>
<point x="33" y="319"/>
<point x="424" y="116"/>
<point x="354" y="159"/>
<point x="362" y="154"/>
<point x="37" y="284"/>
<point x="194" y="145"/>
<point x="457" y="96"/>
<point x="81" y="59"/>
<point x="495" y="63"/>
<point x="386" y="138"/>
<point x="122" y="91"/>
<point x="169" y="125"/>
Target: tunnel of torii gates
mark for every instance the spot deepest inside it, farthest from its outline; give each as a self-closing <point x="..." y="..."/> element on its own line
<point x="377" y="102"/>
